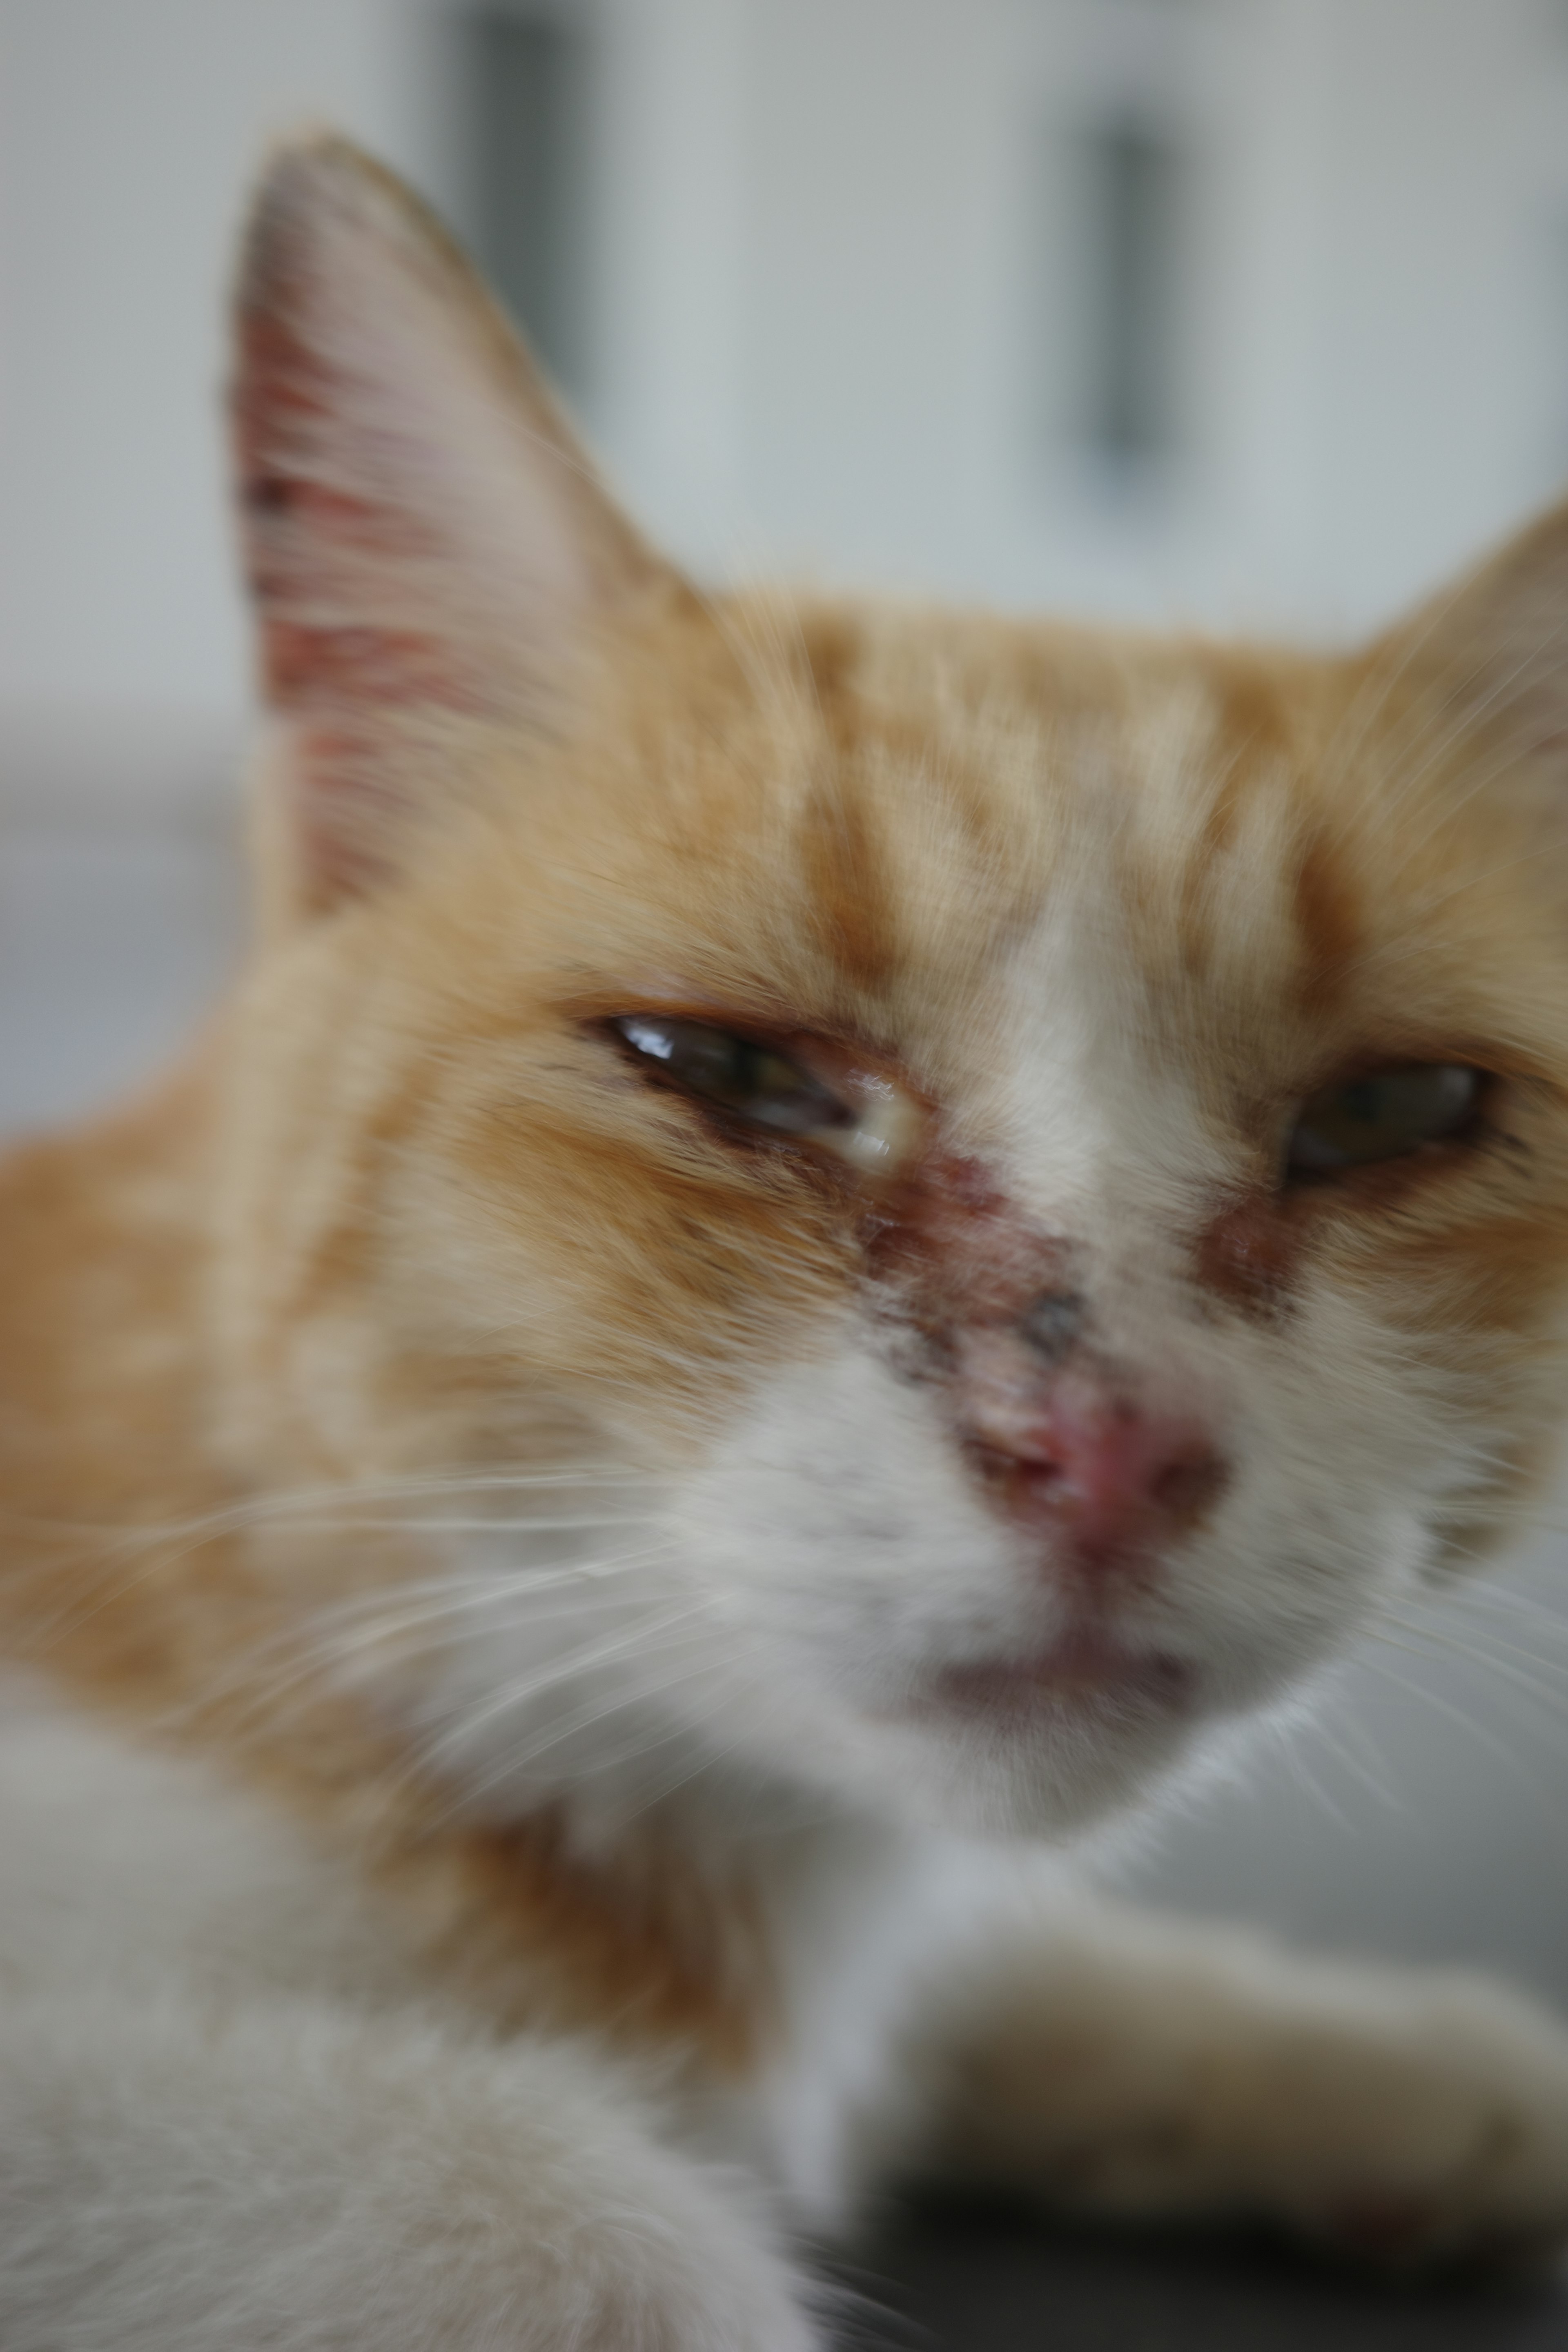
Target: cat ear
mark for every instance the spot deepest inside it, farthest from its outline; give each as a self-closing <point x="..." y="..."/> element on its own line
<point x="1493" y="651"/>
<point x="428" y="547"/>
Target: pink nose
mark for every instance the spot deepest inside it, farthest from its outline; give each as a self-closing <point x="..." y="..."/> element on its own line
<point x="1117" y="1479"/>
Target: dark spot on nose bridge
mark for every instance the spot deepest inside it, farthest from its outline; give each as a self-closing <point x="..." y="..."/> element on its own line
<point x="1052" y="1324"/>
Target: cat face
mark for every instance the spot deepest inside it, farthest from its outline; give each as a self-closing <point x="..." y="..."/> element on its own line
<point x="1013" y="1180"/>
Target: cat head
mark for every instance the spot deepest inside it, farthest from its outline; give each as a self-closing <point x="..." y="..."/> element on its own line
<point x="1017" y="1176"/>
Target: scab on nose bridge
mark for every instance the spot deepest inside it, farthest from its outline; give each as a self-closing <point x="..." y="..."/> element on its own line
<point x="1052" y="1323"/>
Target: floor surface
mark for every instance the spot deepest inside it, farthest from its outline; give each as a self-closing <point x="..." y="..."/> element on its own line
<point x="950" y="2280"/>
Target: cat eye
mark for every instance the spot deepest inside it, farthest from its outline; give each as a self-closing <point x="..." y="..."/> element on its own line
<point x="1380" y="1116"/>
<point x="872" y="1123"/>
<point x="755" y="1081"/>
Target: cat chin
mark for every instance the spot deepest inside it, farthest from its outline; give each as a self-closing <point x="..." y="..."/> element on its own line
<point x="1063" y="1745"/>
<point x="1053" y="1783"/>
<point x="984" y="1762"/>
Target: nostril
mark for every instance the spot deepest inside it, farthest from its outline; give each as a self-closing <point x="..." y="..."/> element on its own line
<point x="1098" y="1468"/>
<point x="1015" y="1475"/>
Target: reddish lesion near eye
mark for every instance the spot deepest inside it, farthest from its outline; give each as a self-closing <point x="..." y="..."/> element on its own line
<point x="1247" y="1255"/>
<point x="1251" y="1251"/>
<point x="940" y="1243"/>
<point x="956" y="1254"/>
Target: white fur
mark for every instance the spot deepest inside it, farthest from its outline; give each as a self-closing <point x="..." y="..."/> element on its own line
<point x="285" y="2172"/>
<point x="228" y="2120"/>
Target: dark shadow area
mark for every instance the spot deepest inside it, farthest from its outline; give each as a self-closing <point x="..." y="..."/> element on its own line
<point x="949" y="2278"/>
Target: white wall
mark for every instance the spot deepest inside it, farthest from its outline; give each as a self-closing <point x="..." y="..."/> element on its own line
<point x="1372" y="395"/>
<point x="826" y="297"/>
<point x="128" y="130"/>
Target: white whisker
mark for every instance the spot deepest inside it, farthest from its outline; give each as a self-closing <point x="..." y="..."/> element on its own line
<point x="625" y="1640"/>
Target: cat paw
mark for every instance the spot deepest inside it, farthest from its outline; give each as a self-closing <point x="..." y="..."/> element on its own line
<point x="1436" y="2136"/>
<point x="1156" y="2072"/>
<point x="1426" y="2124"/>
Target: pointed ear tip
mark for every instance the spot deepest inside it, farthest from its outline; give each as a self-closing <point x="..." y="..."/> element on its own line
<point x="311" y="173"/>
<point x="306" y="162"/>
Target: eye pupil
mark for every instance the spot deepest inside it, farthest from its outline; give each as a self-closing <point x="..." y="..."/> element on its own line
<point x="1382" y="1116"/>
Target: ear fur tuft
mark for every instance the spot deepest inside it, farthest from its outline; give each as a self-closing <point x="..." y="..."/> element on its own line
<point x="1492" y="651"/>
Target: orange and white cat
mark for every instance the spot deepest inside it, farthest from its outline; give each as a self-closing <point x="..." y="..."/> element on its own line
<point x="823" y="1242"/>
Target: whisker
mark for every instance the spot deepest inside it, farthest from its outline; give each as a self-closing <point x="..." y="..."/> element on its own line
<point x="1456" y="1715"/>
<point x="419" y="1525"/>
<point x="661" y="1733"/>
<point x="167" y="1543"/>
<point x="518" y="1692"/>
<point x="248" y="1509"/>
<point x="582" y="1718"/>
<point x="330" y="1641"/>
<point x="1534" y="1684"/>
<point x="474" y="1588"/>
<point x="395" y="1623"/>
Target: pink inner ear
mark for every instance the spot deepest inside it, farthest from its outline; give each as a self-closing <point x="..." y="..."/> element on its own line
<point x="308" y="548"/>
<point x="307" y="541"/>
<point x="428" y="547"/>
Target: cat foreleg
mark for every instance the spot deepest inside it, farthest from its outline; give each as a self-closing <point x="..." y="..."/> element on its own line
<point x="180" y="2176"/>
<point x="1133" y="2067"/>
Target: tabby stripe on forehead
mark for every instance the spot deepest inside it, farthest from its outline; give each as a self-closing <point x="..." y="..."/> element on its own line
<point x="848" y="883"/>
<point x="1328" y="922"/>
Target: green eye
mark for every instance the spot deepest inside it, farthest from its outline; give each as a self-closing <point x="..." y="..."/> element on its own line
<point x="756" y="1082"/>
<point x="1380" y="1116"/>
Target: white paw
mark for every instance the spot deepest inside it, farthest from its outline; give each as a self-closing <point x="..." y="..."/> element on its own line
<point x="1412" y="2121"/>
<point x="1153" y="2070"/>
<point x="1436" y="2131"/>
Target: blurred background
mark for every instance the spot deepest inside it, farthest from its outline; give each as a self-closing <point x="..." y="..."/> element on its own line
<point x="1252" y="313"/>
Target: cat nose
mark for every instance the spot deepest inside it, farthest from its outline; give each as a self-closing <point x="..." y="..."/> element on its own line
<point x="1115" y="1478"/>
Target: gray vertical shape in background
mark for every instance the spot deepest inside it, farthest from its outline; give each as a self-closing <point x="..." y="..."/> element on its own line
<point x="1130" y="221"/>
<point x="527" y="105"/>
